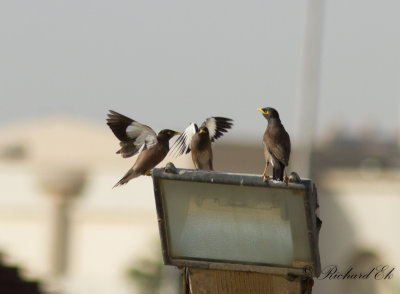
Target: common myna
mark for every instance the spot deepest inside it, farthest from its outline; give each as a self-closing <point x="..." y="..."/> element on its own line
<point x="198" y="140"/>
<point x="276" y="145"/>
<point x="138" y="138"/>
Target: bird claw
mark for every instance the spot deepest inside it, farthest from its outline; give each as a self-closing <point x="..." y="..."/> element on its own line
<point x="148" y="173"/>
<point x="265" y="178"/>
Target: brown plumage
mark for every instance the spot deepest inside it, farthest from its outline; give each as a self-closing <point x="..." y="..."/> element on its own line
<point x="138" y="138"/>
<point x="201" y="150"/>
<point x="276" y="145"/>
<point x="198" y="140"/>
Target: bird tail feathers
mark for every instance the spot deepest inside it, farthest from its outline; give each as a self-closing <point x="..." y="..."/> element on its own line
<point x="131" y="174"/>
<point x="277" y="173"/>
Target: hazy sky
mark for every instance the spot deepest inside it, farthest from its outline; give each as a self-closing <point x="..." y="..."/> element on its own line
<point x="167" y="63"/>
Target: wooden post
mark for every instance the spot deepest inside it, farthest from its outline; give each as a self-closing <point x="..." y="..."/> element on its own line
<point x="209" y="281"/>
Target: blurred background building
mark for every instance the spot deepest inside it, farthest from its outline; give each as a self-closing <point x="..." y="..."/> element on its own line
<point x="331" y="68"/>
<point x="60" y="219"/>
<point x="108" y="233"/>
<point x="358" y="180"/>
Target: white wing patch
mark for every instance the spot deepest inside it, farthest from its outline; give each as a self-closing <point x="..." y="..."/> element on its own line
<point x="182" y="144"/>
<point x="211" y="125"/>
<point x="217" y="126"/>
<point x="150" y="141"/>
<point x="142" y="148"/>
<point x="142" y="134"/>
<point x="134" y="130"/>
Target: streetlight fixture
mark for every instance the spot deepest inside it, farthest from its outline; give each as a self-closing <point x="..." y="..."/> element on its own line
<point x="237" y="222"/>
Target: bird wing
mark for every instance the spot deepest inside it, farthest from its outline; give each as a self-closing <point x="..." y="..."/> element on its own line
<point x="182" y="144"/>
<point x="279" y="146"/>
<point x="217" y="126"/>
<point x="133" y="136"/>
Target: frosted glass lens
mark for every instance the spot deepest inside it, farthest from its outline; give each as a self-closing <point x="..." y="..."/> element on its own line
<point x="236" y="223"/>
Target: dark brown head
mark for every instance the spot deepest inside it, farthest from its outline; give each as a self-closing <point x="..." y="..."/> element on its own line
<point x="166" y="134"/>
<point x="203" y="131"/>
<point x="269" y="112"/>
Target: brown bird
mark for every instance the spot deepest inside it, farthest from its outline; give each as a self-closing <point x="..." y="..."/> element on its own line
<point x="276" y="145"/>
<point x="198" y="140"/>
<point x="138" y="138"/>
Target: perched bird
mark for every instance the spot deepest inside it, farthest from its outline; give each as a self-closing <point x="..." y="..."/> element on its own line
<point x="276" y="145"/>
<point x="198" y="140"/>
<point x="138" y="138"/>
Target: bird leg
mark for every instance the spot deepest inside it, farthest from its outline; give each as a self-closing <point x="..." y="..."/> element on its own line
<point x="148" y="173"/>
<point x="285" y="177"/>
<point x="265" y="176"/>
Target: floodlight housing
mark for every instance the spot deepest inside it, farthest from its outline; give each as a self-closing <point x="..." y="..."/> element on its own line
<point x="229" y="221"/>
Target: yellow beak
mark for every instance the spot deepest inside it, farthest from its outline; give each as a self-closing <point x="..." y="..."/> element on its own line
<point x="202" y="131"/>
<point x="262" y="111"/>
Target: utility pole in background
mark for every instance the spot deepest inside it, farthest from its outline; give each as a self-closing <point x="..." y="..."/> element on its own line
<point x="308" y="91"/>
